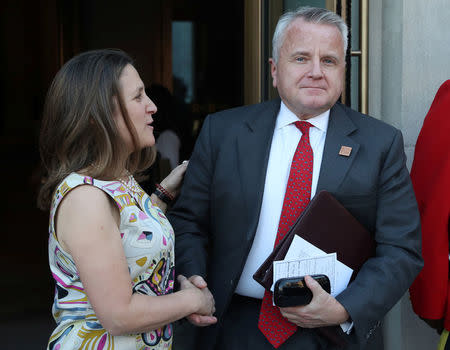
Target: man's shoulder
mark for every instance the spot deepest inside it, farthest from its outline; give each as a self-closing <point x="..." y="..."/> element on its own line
<point x="365" y="121"/>
<point x="243" y="112"/>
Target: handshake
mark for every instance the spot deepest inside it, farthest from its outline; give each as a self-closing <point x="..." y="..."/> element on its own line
<point x="196" y="284"/>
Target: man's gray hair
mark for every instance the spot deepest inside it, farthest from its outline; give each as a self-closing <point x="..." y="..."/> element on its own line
<point x="310" y="15"/>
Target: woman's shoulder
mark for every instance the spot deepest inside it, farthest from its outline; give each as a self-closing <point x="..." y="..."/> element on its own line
<point x="87" y="193"/>
<point x="81" y="189"/>
<point x="84" y="196"/>
<point x="83" y="210"/>
<point x="71" y="181"/>
<point x="77" y="179"/>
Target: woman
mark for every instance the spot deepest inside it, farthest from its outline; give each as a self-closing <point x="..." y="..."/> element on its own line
<point x="430" y="174"/>
<point x="111" y="249"/>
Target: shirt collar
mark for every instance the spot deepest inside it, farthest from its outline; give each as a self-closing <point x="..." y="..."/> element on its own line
<point x="287" y="117"/>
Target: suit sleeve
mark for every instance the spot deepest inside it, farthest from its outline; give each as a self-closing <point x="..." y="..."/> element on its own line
<point x="190" y="216"/>
<point x="384" y="279"/>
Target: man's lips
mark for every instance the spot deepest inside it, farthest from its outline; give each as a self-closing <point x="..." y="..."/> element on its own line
<point x="313" y="90"/>
<point x="312" y="87"/>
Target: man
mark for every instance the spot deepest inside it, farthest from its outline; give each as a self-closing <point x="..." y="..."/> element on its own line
<point x="233" y="203"/>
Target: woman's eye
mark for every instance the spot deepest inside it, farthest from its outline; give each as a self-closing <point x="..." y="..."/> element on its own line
<point x="138" y="97"/>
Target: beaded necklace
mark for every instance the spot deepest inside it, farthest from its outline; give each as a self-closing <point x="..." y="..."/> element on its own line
<point x="132" y="185"/>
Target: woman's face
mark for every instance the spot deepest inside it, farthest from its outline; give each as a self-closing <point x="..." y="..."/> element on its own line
<point x="139" y="107"/>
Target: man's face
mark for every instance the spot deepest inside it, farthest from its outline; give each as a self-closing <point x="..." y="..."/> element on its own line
<point x="309" y="74"/>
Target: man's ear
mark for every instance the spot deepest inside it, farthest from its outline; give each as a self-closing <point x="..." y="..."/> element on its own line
<point x="273" y="71"/>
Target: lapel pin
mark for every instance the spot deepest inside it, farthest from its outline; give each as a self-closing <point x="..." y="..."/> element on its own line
<point x="345" y="151"/>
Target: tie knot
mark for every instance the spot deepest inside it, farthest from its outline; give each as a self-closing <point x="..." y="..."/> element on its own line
<point x="303" y="126"/>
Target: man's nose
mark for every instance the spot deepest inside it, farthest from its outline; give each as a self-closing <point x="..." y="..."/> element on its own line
<point x="315" y="69"/>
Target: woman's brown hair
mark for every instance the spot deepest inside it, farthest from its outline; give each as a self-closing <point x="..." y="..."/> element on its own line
<point x="78" y="129"/>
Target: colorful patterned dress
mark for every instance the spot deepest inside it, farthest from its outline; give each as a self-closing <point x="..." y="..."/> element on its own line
<point x="148" y="242"/>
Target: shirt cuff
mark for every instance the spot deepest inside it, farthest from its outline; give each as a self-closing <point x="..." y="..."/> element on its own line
<point x="347" y="327"/>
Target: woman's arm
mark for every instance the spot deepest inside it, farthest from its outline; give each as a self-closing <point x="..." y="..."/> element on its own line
<point x="87" y="227"/>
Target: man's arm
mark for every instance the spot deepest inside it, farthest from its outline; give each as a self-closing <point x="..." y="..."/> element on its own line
<point x="384" y="279"/>
<point x="190" y="216"/>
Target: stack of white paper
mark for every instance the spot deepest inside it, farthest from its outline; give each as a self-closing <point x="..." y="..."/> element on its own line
<point x="303" y="259"/>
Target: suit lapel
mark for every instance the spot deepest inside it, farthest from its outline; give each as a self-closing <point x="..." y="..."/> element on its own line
<point x="335" y="166"/>
<point x="253" y="148"/>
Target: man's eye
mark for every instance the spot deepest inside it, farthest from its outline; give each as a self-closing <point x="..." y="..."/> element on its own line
<point x="328" y="61"/>
<point x="300" y="59"/>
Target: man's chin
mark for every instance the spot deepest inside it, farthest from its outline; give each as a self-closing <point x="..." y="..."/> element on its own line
<point x="315" y="108"/>
<point x="316" y="105"/>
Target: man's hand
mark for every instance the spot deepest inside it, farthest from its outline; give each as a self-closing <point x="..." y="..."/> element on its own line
<point x="323" y="310"/>
<point x="197" y="319"/>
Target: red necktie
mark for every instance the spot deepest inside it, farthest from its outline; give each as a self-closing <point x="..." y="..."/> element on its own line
<point x="274" y="326"/>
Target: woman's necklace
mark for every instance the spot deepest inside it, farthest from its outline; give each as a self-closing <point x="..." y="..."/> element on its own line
<point x="131" y="184"/>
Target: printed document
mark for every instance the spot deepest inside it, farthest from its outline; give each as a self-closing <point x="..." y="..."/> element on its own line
<point x="303" y="258"/>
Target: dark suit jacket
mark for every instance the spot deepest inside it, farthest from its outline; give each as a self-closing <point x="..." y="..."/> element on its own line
<point x="216" y="216"/>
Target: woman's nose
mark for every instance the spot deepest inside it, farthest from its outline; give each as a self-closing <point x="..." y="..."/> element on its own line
<point x="151" y="107"/>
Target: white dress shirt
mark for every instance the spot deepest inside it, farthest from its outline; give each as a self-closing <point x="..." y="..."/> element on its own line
<point x="284" y="143"/>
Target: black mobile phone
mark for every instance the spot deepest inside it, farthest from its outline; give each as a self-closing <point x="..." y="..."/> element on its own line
<point x="292" y="291"/>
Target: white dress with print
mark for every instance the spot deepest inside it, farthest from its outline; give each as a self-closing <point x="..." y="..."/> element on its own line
<point x="148" y="243"/>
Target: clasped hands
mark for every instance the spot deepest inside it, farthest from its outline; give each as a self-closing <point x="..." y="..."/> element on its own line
<point x="323" y="310"/>
<point x="205" y="315"/>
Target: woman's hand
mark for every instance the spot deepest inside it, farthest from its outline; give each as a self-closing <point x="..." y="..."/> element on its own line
<point x="172" y="182"/>
<point x="202" y="295"/>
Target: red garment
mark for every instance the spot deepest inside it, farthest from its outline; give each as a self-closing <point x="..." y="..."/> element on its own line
<point x="430" y="173"/>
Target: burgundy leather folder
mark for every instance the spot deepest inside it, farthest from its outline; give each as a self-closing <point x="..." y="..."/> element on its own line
<point x="326" y="224"/>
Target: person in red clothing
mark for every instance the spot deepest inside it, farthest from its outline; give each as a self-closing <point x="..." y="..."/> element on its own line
<point x="430" y="173"/>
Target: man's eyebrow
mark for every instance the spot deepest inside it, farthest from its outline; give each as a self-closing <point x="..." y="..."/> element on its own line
<point x="301" y="53"/>
<point x="331" y="55"/>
